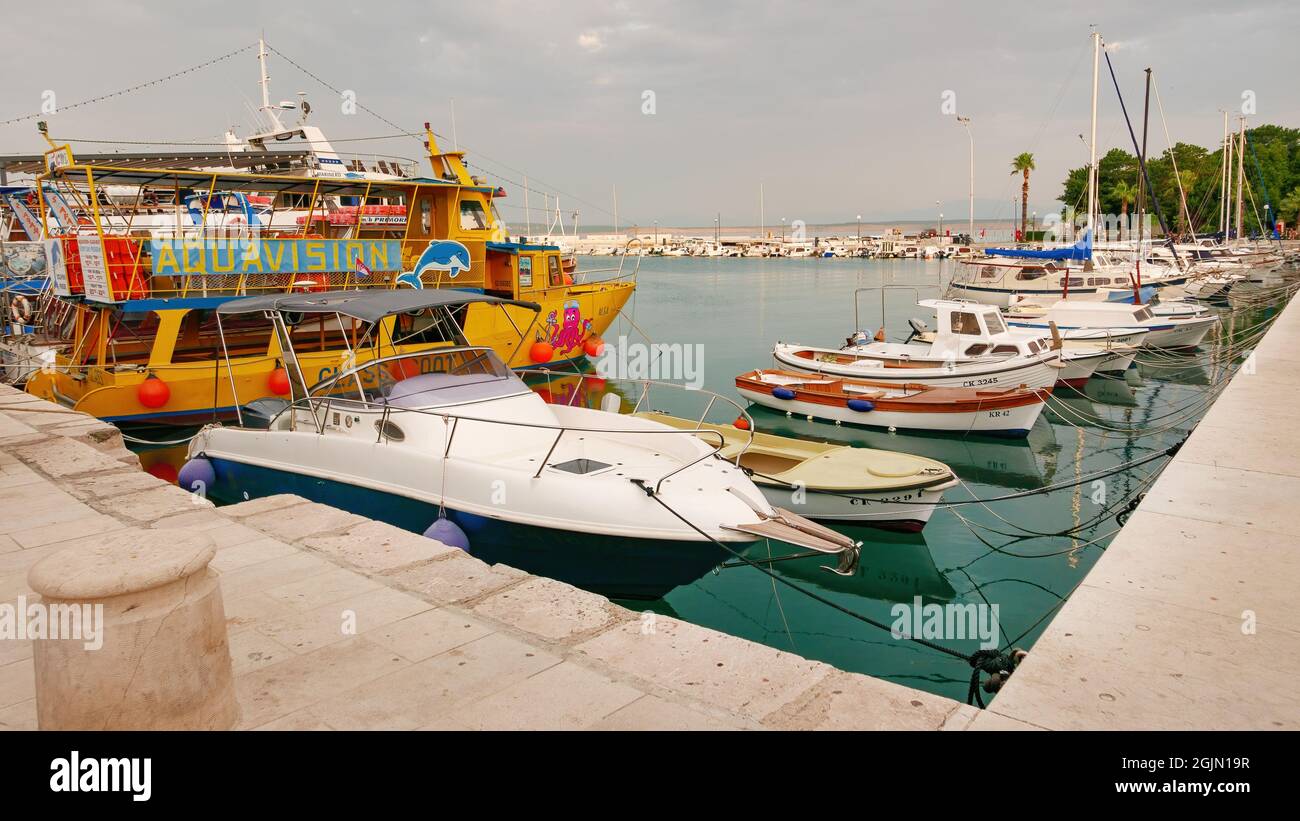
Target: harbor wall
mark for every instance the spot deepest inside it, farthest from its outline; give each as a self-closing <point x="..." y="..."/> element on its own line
<point x="1188" y="620"/>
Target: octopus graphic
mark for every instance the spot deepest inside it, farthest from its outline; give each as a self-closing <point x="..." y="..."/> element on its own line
<point x="567" y="334"/>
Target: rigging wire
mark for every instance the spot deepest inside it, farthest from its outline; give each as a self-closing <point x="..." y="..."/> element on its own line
<point x="138" y="87"/>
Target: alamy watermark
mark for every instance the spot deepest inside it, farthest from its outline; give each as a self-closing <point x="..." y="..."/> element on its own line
<point x="666" y="362"/>
<point x="42" y="620"/>
<point x="948" y="622"/>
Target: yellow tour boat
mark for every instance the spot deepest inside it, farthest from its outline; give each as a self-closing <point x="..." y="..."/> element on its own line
<point x="135" y="284"/>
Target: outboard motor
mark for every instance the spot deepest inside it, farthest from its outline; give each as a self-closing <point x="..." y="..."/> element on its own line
<point x="918" y="327"/>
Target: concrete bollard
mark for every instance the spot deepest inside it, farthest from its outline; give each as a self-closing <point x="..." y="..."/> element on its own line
<point x="162" y="660"/>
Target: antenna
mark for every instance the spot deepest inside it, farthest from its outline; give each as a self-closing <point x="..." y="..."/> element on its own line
<point x="267" y="108"/>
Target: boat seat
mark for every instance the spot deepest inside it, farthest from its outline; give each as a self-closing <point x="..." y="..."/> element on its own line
<point x="259" y="413"/>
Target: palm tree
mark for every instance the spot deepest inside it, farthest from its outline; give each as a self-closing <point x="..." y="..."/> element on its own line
<point x="1125" y="192"/>
<point x="1023" y="164"/>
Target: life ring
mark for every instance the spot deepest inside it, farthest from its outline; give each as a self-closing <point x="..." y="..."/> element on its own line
<point x="20" y="310"/>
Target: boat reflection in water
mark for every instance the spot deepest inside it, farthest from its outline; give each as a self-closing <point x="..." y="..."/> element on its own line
<point x="894" y="567"/>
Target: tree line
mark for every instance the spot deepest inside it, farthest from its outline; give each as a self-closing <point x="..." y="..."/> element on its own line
<point x="1272" y="174"/>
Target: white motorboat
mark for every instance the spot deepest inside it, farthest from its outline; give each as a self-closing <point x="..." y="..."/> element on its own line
<point x="621" y="505"/>
<point x="1170" y="331"/>
<point x="971" y="348"/>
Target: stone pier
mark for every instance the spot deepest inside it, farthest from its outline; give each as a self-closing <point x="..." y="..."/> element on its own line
<point x="1189" y="620"/>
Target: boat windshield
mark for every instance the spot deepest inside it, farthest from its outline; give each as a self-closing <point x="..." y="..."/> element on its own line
<point x="427" y="379"/>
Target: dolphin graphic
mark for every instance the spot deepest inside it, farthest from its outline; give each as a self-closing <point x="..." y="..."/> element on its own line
<point x="441" y="255"/>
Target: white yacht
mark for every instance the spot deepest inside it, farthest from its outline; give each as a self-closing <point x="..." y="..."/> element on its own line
<point x="622" y="505"/>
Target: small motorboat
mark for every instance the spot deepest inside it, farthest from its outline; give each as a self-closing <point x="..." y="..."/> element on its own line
<point x="1176" y="327"/>
<point x="971" y="348"/>
<point x="1086" y="351"/>
<point x="826" y="481"/>
<point x="991" y="411"/>
<point x="449" y="440"/>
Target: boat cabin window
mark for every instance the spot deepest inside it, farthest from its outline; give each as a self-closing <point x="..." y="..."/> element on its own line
<point x="245" y="335"/>
<point x="553" y="272"/>
<point x="965" y="323"/>
<point x="1031" y="273"/>
<point x="1098" y="281"/>
<point x="993" y="321"/>
<point x="1142" y="314"/>
<point x="1037" y="346"/>
<point x="428" y="328"/>
<point x="1074" y="282"/>
<point x="472" y="216"/>
<point x="1006" y="349"/>
<point x="976" y="350"/>
<point x="426" y="215"/>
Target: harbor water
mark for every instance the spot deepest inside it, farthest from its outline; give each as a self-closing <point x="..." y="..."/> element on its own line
<point x="1024" y="555"/>
<point x="1020" y="557"/>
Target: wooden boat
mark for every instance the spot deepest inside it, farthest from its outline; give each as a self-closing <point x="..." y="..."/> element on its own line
<point x="991" y="411"/>
<point x="829" y="482"/>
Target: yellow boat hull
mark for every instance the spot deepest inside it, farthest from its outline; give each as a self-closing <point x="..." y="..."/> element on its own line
<point x="205" y="390"/>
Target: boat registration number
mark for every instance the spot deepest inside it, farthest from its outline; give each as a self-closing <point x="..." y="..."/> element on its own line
<point x="972" y="383"/>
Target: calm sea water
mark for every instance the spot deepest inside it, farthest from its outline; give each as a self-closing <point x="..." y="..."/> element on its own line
<point x="1024" y="555"/>
<point x="990" y="553"/>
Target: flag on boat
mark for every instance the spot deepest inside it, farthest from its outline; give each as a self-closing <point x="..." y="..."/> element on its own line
<point x="362" y="269"/>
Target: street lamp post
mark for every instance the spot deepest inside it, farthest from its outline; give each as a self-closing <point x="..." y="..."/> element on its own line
<point x="859" y="232"/>
<point x="656" y="233"/>
<point x="965" y="121"/>
<point x="783" y="232"/>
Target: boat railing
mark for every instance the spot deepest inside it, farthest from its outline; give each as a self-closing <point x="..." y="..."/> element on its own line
<point x="884" y="292"/>
<point x="616" y="270"/>
<point x="322" y="394"/>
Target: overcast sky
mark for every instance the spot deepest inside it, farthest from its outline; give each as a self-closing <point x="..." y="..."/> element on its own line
<point x="835" y="107"/>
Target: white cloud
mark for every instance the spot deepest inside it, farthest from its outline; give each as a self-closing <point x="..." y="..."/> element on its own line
<point x="591" y="40"/>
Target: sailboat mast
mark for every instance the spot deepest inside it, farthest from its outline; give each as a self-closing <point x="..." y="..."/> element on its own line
<point x="1092" y="143"/>
<point x="1227" y="202"/>
<point x="1142" y="195"/>
<point x="1241" y="175"/>
<point x="1223" y="179"/>
<point x="1142" y="182"/>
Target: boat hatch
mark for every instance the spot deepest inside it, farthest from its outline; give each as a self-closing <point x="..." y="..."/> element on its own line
<point x="581" y="466"/>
